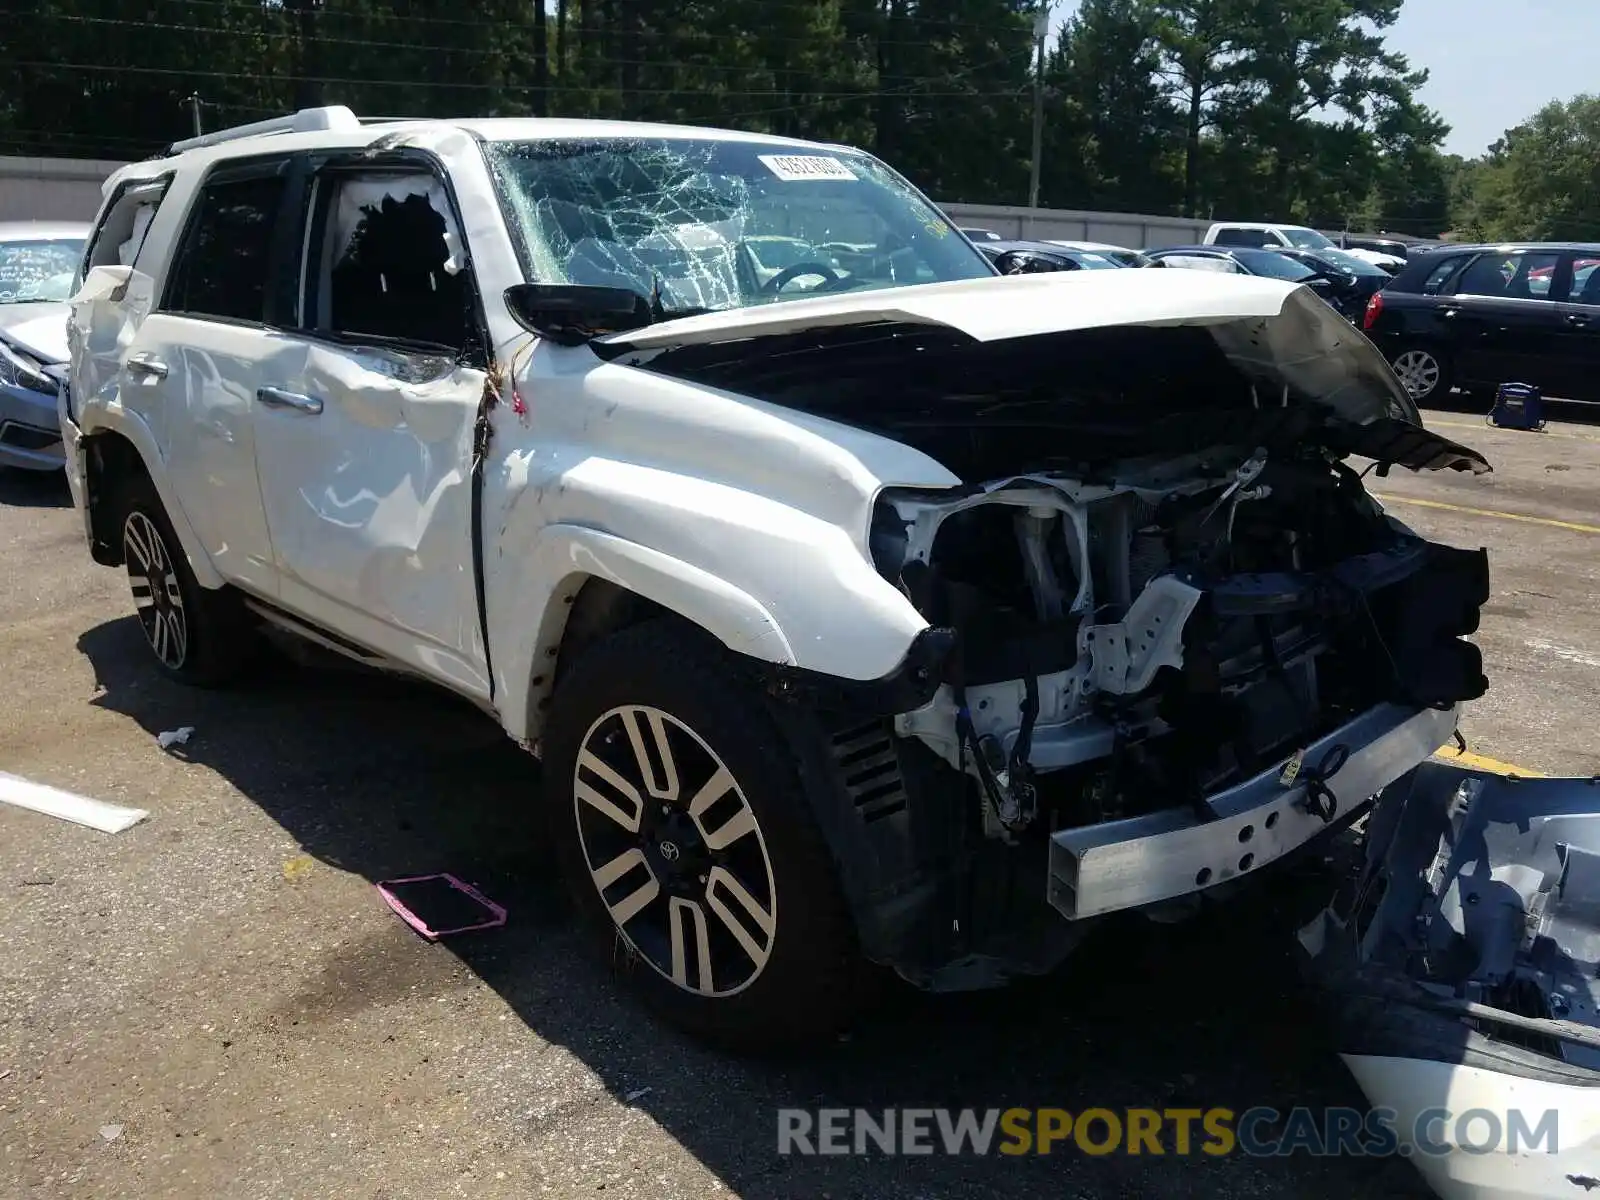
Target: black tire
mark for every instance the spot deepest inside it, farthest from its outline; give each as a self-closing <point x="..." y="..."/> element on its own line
<point x="1425" y="367"/>
<point x="807" y="985"/>
<point x="198" y="636"/>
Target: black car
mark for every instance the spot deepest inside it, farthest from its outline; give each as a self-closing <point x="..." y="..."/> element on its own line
<point x="1026" y="258"/>
<point x="1400" y="247"/>
<point x="1480" y="316"/>
<point x="1248" y="260"/>
<point x="1353" y="280"/>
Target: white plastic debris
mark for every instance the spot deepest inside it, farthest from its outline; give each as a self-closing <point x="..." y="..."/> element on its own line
<point x="174" y="737"/>
<point x="69" y="806"/>
<point x="111" y="1132"/>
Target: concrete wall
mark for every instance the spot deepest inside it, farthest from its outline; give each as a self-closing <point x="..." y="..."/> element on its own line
<point x="1119" y="229"/>
<point x="68" y="189"/>
<point x="51" y="189"/>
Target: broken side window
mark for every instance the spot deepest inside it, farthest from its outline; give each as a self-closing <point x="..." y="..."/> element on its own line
<point x="121" y="233"/>
<point x="389" y="261"/>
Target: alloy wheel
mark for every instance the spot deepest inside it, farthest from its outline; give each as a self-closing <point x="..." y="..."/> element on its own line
<point x="156" y="594"/>
<point x="1419" y="371"/>
<point x="675" y="851"/>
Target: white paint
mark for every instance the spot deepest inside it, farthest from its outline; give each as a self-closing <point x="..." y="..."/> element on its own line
<point x="1413" y="1086"/>
<point x="1565" y="653"/>
<point x="69" y="806"/>
<point x="991" y="309"/>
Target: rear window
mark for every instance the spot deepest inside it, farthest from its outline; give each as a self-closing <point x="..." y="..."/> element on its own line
<point x="222" y="266"/>
<point x="1441" y="273"/>
<point x="1275" y="266"/>
<point x="1240" y="237"/>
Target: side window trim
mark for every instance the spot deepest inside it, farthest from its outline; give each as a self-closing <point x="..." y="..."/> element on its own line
<point x="306" y="283"/>
<point x="232" y="171"/>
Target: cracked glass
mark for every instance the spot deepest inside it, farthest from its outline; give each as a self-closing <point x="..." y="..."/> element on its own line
<point x="701" y="224"/>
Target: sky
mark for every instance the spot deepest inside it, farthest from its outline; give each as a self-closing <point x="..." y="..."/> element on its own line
<point x="1491" y="63"/>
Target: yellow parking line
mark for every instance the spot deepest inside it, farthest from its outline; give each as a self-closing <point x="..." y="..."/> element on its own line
<point x="1575" y="526"/>
<point x="1480" y="425"/>
<point x="1479" y="763"/>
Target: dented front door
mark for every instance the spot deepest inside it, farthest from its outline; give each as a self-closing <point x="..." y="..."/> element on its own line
<point x="364" y="421"/>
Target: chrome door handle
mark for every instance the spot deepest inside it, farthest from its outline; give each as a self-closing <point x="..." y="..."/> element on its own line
<point x="278" y="398"/>
<point x="148" y="364"/>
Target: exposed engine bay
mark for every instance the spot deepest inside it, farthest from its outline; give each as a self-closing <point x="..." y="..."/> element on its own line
<point x="1184" y="640"/>
<point x="1146" y="641"/>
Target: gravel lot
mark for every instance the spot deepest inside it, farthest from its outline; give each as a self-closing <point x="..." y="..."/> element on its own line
<point x="221" y="988"/>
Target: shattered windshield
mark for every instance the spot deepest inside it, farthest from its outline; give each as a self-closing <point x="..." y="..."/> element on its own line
<point x="702" y="224"/>
<point x="41" y="270"/>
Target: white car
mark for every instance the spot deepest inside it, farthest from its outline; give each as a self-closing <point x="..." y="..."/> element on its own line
<point x="1245" y="233"/>
<point x="914" y="623"/>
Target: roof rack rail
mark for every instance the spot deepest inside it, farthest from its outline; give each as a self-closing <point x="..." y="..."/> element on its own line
<point x="307" y="120"/>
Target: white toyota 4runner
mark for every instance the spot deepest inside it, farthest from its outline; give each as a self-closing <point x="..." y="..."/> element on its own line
<point x="874" y="608"/>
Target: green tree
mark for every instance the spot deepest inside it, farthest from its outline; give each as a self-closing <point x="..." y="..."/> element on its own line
<point x="1542" y="179"/>
<point x="1200" y="45"/>
<point x="1121" y="136"/>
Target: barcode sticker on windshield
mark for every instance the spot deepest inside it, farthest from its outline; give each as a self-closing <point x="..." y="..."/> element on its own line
<point x="795" y="168"/>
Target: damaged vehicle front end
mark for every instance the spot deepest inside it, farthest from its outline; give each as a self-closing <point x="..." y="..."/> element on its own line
<point x="1176" y="638"/>
<point x="1459" y="967"/>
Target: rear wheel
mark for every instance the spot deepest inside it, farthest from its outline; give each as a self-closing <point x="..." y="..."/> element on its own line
<point x="689" y="846"/>
<point x="1425" y="373"/>
<point x="198" y="636"/>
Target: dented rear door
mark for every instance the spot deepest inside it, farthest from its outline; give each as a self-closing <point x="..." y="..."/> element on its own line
<point x="364" y="421"/>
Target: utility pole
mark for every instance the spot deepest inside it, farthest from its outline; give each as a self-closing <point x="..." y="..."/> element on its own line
<point x="1041" y="30"/>
<point x="194" y="102"/>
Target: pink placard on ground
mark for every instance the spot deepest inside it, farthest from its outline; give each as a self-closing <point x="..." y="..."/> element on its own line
<point x="496" y="915"/>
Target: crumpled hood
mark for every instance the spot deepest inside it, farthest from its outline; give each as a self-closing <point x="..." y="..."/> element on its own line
<point x="993" y="309"/>
<point x="1060" y="371"/>
<point x="38" y="328"/>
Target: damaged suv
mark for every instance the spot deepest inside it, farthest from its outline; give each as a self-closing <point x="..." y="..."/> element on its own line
<point x="876" y="607"/>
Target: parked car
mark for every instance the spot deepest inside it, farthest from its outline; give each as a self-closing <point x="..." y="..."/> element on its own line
<point x="877" y="622"/>
<point x="38" y="260"/>
<point x="1354" y="280"/>
<point x="1268" y="264"/>
<point x="1122" y="254"/>
<point x="1394" y="245"/>
<point x="1026" y="258"/>
<point x="1479" y="316"/>
<point x="1259" y="234"/>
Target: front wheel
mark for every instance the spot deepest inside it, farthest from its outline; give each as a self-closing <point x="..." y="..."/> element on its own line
<point x="1424" y="372"/>
<point x="688" y="844"/>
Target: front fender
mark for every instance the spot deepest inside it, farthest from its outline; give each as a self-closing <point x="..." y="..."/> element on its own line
<point x="566" y="555"/>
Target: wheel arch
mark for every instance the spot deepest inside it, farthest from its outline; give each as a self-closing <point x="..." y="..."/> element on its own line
<point x="111" y="453"/>
<point x="591" y="584"/>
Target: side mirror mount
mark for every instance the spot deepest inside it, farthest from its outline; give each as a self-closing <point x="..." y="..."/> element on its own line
<point x="571" y="314"/>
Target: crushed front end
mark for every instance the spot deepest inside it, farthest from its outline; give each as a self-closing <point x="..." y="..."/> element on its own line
<point x="1180" y="672"/>
<point x="1458" y="966"/>
<point x="1176" y="637"/>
